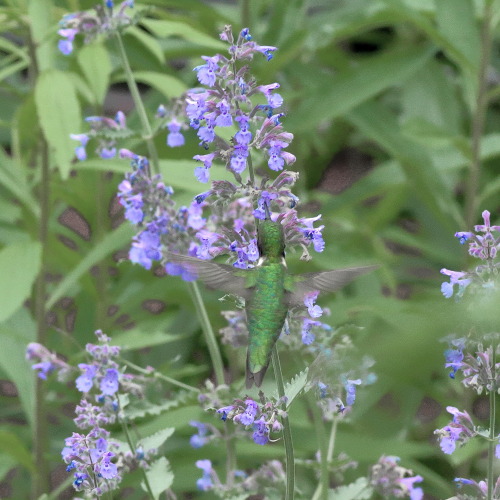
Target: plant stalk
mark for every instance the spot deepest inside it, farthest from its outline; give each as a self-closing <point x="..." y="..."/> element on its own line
<point x="478" y="119"/>
<point x="139" y="106"/>
<point x="493" y="439"/>
<point x="287" y="432"/>
<point x="40" y="436"/>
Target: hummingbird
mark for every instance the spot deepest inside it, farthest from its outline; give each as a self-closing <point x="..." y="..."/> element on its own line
<point x="269" y="291"/>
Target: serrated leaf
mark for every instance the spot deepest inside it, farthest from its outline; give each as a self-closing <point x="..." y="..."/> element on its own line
<point x="19" y="267"/>
<point x="11" y="445"/>
<point x="295" y="386"/>
<point x="156" y="440"/>
<point x="160" y="477"/>
<point x="58" y="112"/>
<point x="109" y="244"/>
<point x="96" y="66"/>
<point x="359" y="490"/>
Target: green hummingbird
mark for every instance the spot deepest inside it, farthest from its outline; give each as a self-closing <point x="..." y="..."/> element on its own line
<point x="269" y="291"/>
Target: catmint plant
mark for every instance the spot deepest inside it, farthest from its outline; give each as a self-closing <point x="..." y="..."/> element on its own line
<point x="473" y="358"/>
<point x="96" y="460"/>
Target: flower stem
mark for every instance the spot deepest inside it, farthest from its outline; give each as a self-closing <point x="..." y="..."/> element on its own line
<point x="322" y="488"/>
<point x="132" y="450"/>
<point x="139" y="106"/>
<point x="40" y="437"/>
<point x="213" y="347"/>
<point x="159" y="375"/>
<point x="478" y="118"/>
<point x="287" y="432"/>
<point x="493" y="441"/>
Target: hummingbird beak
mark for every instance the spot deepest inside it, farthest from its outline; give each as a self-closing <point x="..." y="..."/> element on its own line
<point x="267" y="211"/>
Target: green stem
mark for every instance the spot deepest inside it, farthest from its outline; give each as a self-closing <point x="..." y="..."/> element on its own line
<point x="160" y="376"/>
<point x="287" y="432"/>
<point x="493" y="441"/>
<point x="40" y="437"/>
<point x="324" y="481"/>
<point x="213" y="347"/>
<point x="478" y="119"/>
<point x="132" y="450"/>
<point x="139" y="106"/>
<point x="331" y="442"/>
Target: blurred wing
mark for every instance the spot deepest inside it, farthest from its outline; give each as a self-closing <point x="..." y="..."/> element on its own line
<point x="215" y="276"/>
<point x="324" y="281"/>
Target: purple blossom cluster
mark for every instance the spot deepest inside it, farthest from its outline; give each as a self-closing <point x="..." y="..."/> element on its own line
<point x="97" y="462"/>
<point x="91" y="24"/>
<point x="392" y="480"/>
<point x="483" y="246"/>
<point x="106" y="131"/>
<point x="479" y="489"/>
<point x="228" y="102"/>
<point x="262" y="418"/>
<point x="48" y="362"/>
<point x="479" y="370"/>
<point x="457" y="432"/>
<point x="89" y="456"/>
<point x="270" y="475"/>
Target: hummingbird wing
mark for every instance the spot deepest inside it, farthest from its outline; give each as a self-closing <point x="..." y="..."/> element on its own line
<point x="322" y="281"/>
<point x="216" y="276"/>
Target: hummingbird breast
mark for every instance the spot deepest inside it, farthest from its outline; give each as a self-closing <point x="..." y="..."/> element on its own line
<point x="266" y="313"/>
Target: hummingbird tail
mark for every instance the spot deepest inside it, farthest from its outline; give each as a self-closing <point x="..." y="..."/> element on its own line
<point x="255" y="377"/>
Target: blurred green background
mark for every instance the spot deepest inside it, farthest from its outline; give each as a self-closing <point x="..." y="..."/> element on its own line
<point x="394" y="109"/>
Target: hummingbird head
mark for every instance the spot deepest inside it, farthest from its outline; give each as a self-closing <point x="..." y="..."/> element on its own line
<point x="271" y="240"/>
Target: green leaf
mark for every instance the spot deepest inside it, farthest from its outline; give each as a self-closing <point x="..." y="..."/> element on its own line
<point x="150" y="43"/>
<point x="160" y="477"/>
<point x="457" y="22"/>
<point x="6" y="464"/>
<point x="381" y="126"/>
<point x="41" y="26"/>
<point x="109" y="244"/>
<point x="156" y="440"/>
<point x="11" y="445"/>
<point x="139" y="339"/>
<point x="163" y="28"/>
<point x="59" y="113"/>
<point x="349" y="88"/>
<point x="12" y="179"/>
<point x="16" y="334"/>
<point x="359" y="490"/>
<point x="180" y="174"/>
<point x="167" y="85"/>
<point x="96" y="66"/>
<point x="295" y="386"/>
<point x="19" y="267"/>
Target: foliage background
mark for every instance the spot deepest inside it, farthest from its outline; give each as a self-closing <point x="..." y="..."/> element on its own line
<point x="394" y="107"/>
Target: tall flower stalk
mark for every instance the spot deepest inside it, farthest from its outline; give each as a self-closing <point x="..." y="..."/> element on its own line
<point x="475" y="357"/>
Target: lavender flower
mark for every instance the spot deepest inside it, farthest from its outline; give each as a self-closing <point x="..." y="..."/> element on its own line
<point x="48" y="362"/>
<point x="92" y="24"/>
<point x="390" y="479"/>
<point x="262" y="418"/>
<point x="482" y="246"/>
